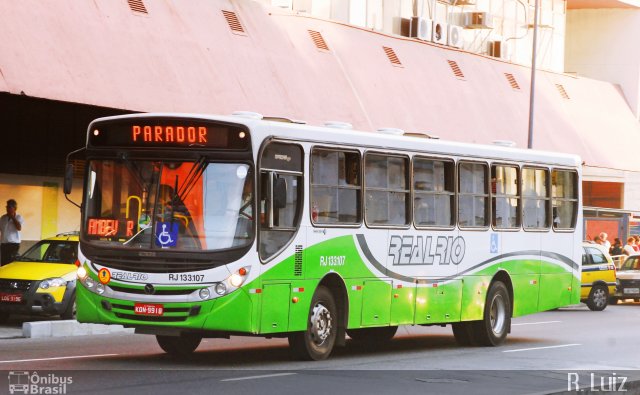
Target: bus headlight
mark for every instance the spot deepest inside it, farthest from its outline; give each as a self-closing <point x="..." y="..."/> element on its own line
<point x="52" y="282"/>
<point x="205" y="293"/>
<point x="81" y="273"/>
<point x="100" y="289"/>
<point x="221" y="289"/>
<point x="237" y="278"/>
<point x="89" y="283"/>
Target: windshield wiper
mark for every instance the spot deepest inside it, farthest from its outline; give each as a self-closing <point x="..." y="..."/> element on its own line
<point x="192" y="178"/>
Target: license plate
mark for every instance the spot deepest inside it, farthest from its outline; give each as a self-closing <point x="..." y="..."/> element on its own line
<point x="11" y="298"/>
<point x="148" y="309"/>
<point x="632" y="290"/>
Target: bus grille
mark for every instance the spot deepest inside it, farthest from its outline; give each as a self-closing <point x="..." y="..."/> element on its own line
<point x="141" y="291"/>
<point x="297" y="269"/>
<point x="146" y="318"/>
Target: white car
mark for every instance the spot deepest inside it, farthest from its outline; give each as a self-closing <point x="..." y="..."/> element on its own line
<point x="628" y="280"/>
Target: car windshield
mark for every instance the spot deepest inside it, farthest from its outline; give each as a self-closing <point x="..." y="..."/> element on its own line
<point x="51" y="252"/>
<point x="632" y="263"/>
<point x="189" y="206"/>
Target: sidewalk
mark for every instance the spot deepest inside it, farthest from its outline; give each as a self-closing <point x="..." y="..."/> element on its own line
<point x="29" y="327"/>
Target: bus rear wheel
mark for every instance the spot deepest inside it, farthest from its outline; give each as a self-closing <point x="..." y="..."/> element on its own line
<point x="317" y="341"/>
<point x="493" y="328"/>
<point x="179" y="346"/>
<point x="372" y="335"/>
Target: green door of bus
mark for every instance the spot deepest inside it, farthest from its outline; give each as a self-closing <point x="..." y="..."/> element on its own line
<point x="275" y="308"/>
<point x="376" y="303"/>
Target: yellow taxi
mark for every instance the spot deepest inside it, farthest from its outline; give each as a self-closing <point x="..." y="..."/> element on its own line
<point x="42" y="280"/>
<point x="598" y="276"/>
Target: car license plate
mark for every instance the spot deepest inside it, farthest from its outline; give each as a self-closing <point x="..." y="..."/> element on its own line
<point x="631" y="291"/>
<point x="148" y="309"/>
<point x="11" y="298"/>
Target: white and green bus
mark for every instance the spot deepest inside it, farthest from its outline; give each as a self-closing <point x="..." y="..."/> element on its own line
<point x="200" y="226"/>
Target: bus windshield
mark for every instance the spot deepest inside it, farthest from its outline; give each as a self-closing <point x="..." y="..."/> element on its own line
<point x="188" y="206"/>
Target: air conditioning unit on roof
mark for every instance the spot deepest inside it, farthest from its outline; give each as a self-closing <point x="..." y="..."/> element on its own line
<point x="454" y="36"/>
<point x="439" y="32"/>
<point x="462" y="2"/>
<point x="478" y="20"/>
<point x="421" y="28"/>
<point x="496" y="49"/>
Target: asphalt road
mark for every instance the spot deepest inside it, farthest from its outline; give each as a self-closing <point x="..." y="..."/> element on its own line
<point x="540" y="356"/>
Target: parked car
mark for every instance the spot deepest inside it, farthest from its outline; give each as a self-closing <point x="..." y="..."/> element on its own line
<point x="628" y="280"/>
<point x="598" y="276"/>
<point x="42" y="280"/>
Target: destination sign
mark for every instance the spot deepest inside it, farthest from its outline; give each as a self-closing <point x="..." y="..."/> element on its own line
<point x="164" y="132"/>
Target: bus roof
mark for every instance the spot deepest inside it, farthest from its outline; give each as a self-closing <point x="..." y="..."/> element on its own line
<point x="262" y="128"/>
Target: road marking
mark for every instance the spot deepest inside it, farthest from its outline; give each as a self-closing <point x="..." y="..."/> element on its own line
<point x="544" y="348"/>
<point x="536" y="323"/>
<point x="58" y="358"/>
<point x="264" y="376"/>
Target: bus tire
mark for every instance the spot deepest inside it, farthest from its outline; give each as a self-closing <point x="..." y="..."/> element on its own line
<point x="493" y="328"/>
<point x="316" y="343"/>
<point x="598" y="298"/>
<point x="372" y="335"/>
<point x="179" y="346"/>
<point x="463" y="333"/>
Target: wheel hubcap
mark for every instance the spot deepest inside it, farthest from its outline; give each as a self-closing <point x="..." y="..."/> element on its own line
<point x="599" y="297"/>
<point x="321" y="324"/>
<point x="497" y="315"/>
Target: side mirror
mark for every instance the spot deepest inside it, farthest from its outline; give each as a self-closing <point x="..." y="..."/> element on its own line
<point x="68" y="178"/>
<point x="279" y="193"/>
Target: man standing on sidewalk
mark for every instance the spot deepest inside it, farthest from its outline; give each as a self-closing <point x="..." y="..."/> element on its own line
<point x="10" y="227"/>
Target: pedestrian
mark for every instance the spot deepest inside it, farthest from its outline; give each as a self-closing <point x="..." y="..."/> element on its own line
<point x="616" y="248"/>
<point x="628" y="248"/>
<point x="10" y="227"/>
<point x="636" y="245"/>
<point x="603" y="236"/>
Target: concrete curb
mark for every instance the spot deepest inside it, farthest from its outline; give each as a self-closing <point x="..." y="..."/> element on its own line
<point x="42" y="329"/>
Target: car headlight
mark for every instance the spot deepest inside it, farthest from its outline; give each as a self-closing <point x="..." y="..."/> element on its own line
<point x="52" y="282"/>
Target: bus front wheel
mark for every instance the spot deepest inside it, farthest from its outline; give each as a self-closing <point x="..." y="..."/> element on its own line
<point x="316" y="342"/>
<point x="179" y="346"/>
<point x="492" y="329"/>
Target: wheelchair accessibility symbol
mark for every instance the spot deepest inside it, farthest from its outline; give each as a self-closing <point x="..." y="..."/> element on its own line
<point x="494" y="243"/>
<point x="166" y="237"/>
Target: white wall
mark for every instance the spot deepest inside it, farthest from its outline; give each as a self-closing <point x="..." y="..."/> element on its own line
<point x="604" y="44"/>
<point x="512" y="21"/>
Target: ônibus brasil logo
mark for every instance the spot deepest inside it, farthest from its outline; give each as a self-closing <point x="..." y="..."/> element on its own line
<point x="21" y="382"/>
